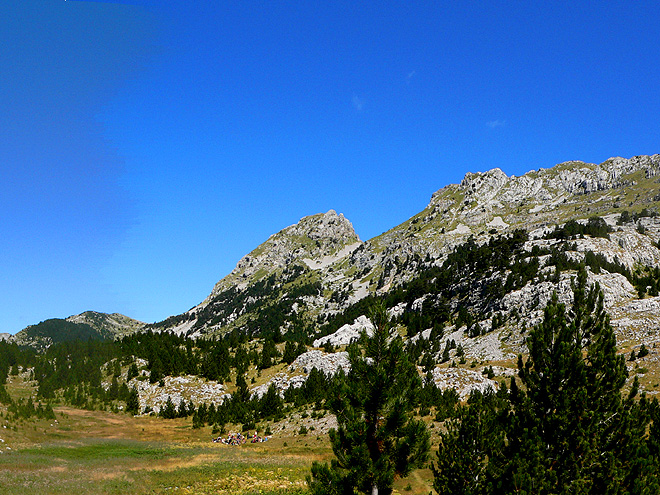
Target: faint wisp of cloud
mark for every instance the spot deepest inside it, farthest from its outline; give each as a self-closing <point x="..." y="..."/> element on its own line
<point x="358" y="103"/>
<point x="410" y="76"/>
<point x="496" y="123"/>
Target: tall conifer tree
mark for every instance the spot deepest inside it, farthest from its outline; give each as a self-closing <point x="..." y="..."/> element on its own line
<point x="377" y="439"/>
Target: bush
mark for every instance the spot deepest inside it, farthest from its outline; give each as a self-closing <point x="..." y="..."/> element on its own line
<point x="249" y="425"/>
<point x="488" y="371"/>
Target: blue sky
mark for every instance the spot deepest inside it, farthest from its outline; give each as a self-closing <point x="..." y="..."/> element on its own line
<point x="146" y="146"/>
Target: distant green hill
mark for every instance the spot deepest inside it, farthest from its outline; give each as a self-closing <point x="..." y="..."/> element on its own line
<point x="57" y="330"/>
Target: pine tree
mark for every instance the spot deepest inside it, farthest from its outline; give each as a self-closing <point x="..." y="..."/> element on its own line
<point x="133" y="402"/>
<point x="573" y="380"/>
<point x="113" y="390"/>
<point x="169" y="410"/>
<point x="5" y="398"/>
<point x="268" y="354"/>
<point x="182" y="410"/>
<point x="290" y="353"/>
<point x="132" y="372"/>
<point x="271" y="404"/>
<point x="568" y="429"/>
<point x="377" y="440"/>
<point x="428" y="363"/>
<point x="156" y="371"/>
<point x="197" y="421"/>
<point x="468" y="444"/>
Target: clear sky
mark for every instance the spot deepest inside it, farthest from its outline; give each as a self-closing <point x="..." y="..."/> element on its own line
<point x="146" y="146"/>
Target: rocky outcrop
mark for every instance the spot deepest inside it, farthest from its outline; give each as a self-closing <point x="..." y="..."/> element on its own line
<point x="313" y="238"/>
<point x="462" y="380"/>
<point x="494" y="187"/>
<point x="153" y="397"/>
<point x="638" y="321"/>
<point x="281" y="382"/>
<point x="347" y="333"/>
<point x="326" y="363"/>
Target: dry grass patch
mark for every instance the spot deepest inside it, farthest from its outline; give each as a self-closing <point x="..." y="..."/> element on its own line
<point x="97" y="452"/>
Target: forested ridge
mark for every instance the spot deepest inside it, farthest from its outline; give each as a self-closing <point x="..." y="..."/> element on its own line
<point x="466" y="289"/>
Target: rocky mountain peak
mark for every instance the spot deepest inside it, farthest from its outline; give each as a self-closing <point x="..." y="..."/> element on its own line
<point x="115" y="323"/>
<point x="481" y="196"/>
<point x="483" y="186"/>
<point x="314" y="237"/>
<point x="327" y="227"/>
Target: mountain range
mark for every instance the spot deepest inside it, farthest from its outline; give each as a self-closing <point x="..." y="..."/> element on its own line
<point x="483" y="257"/>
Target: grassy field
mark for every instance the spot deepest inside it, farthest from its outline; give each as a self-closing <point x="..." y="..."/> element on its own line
<point x="95" y="452"/>
<point x="100" y="452"/>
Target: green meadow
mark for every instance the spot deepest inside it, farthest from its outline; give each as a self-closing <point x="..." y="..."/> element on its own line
<point x="98" y="452"/>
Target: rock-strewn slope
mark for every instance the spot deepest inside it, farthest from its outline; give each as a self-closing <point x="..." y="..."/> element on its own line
<point x="323" y="252"/>
<point x="305" y="274"/>
<point x="313" y="239"/>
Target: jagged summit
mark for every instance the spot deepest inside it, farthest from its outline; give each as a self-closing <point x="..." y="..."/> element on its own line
<point x="293" y="260"/>
<point x="543" y="196"/>
<point x="313" y="238"/>
<point x="573" y="177"/>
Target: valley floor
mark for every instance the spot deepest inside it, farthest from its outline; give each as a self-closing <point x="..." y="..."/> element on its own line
<point x="96" y="452"/>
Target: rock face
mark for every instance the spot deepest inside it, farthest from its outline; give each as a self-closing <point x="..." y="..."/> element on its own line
<point x="313" y="238"/>
<point x="347" y="333"/>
